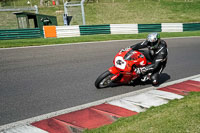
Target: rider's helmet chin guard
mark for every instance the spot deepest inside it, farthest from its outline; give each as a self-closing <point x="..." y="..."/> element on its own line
<point x="153" y="38"/>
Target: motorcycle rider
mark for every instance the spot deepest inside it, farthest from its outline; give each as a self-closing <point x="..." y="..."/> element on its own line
<point x="157" y="54"/>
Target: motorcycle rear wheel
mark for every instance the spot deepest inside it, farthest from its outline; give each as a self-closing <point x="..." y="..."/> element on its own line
<point x="104" y="80"/>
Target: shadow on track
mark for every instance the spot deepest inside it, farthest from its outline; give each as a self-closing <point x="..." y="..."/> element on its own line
<point x="163" y="78"/>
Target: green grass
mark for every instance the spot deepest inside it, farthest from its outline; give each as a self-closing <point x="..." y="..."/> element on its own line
<point x="135" y="11"/>
<point x="89" y="38"/>
<point x="124" y="12"/>
<point x="178" y="116"/>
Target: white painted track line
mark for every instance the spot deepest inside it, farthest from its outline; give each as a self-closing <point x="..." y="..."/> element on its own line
<point x="196" y="79"/>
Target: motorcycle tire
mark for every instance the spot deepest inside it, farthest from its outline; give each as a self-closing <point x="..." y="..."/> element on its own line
<point x="104" y="80"/>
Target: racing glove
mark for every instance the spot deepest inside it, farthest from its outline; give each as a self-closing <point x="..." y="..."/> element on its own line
<point x="140" y="70"/>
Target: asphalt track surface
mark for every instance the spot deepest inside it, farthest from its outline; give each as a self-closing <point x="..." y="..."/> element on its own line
<point x="40" y="80"/>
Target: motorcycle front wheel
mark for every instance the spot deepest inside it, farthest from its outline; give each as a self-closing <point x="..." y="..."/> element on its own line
<point x="104" y="80"/>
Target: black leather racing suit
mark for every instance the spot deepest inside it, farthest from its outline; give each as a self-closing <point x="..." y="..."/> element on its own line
<point x="156" y="54"/>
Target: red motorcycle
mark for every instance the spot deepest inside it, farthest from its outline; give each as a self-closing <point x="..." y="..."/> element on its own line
<point x="125" y="62"/>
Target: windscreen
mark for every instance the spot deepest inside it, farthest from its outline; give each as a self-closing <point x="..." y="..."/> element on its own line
<point x="131" y="55"/>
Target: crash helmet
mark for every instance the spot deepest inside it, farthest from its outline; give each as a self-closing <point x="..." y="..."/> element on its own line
<point x="153" y="39"/>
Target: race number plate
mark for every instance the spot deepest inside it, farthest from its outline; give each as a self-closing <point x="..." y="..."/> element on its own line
<point x="120" y="63"/>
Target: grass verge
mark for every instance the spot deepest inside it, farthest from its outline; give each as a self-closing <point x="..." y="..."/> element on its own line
<point x="115" y="12"/>
<point x="178" y="116"/>
<point x="140" y="12"/>
<point x="89" y="38"/>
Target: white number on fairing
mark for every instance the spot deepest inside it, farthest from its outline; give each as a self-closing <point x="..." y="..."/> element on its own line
<point x="120" y="63"/>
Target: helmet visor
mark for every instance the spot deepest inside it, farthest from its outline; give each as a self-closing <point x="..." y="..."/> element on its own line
<point x="152" y="37"/>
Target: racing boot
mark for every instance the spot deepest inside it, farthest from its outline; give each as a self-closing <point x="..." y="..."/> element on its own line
<point x="154" y="79"/>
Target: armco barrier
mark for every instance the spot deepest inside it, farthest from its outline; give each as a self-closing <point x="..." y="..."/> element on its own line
<point x="73" y="31"/>
<point x="149" y="28"/>
<point x="191" y="26"/>
<point x="94" y="29"/>
<point x="20" y="34"/>
<point x="49" y="31"/>
<point x="67" y="31"/>
<point x="172" y="27"/>
<point x="124" y="28"/>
